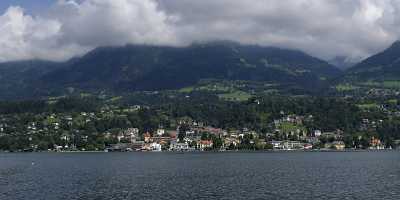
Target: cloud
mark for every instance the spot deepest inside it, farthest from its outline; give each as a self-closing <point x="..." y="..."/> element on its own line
<point x="113" y="22"/>
<point x="323" y="28"/>
<point x="71" y="28"/>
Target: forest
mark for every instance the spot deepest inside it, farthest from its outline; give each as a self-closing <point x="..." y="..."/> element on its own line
<point x="44" y="122"/>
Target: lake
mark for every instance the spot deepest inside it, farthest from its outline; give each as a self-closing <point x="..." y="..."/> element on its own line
<point x="280" y="175"/>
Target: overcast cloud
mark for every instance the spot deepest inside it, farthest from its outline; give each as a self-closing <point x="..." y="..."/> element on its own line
<point x="323" y="28"/>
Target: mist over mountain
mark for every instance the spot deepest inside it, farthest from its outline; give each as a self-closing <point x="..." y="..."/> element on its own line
<point x="143" y="67"/>
<point x="384" y="66"/>
<point x="342" y="62"/>
<point x="136" y="67"/>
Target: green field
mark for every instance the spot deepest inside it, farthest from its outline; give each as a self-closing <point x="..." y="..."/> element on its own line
<point x="392" y="101"/>
<point x="287" y="127"/>
<point x="368" y="106"/>
<point x="346" y="87"/>
<point x="389" y="84"/>
<point x="115" y="99"/>
<point x="392" y="84"/>
<point x="187" y="90"/>
<point x="235" y="96"/>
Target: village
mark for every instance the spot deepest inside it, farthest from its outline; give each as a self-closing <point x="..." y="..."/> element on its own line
<point x="134" y="128"/>
<point x="286" y="137"/>
<point x="288" y="134"/>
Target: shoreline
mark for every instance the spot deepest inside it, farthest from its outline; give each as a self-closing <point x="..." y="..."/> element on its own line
<point x="227" y="151"/>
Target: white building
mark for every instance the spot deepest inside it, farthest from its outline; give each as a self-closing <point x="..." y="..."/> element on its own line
<point x="277" y="144"/>
<point x="290" y="145"/>
<point x="160" y="132"/>
<point x="131" y="134"/>
<point x="155" y="147"/>
<point x="176" y="146"/>
<point x="317" y="133"/>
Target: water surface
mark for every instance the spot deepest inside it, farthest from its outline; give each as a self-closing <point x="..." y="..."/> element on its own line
<point x="285" y="175"/>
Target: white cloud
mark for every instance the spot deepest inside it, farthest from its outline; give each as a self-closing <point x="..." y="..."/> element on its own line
<point x="323" y="28"/>
<point x="71" y="28"/>
<point x="113" y="22"/>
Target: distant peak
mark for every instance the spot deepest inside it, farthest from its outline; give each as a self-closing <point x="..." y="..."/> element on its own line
<point x="216" y="43"/>
<point x="396" y="44"/>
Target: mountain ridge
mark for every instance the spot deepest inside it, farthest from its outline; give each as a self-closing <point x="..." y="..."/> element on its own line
<point x="382" y="66"/>
<point x="175" y="67"/>
<point x="145" y="67"/>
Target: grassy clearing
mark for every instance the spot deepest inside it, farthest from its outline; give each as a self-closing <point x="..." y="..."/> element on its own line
<point x="346" y="87"/>
<point x="368" y="106"/>
<point x="186" y="90"/>
<point x="83" y="95"/>
<point x="211" y="87"/>
<point x="389" y="84"/>
<point x="287" y="127"/>
<point x="115" y="99"/>
<point x="235" y="96"/>
<point x="392" y="101"/>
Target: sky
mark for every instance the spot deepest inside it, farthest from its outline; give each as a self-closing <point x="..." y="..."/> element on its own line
<point x="31" y="6"/>
<point x="60" y="29"/>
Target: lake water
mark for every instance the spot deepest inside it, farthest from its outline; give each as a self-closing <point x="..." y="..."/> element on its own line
<point x="285" y="175"/>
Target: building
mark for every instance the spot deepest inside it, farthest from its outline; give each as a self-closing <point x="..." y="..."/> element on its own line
<point x="317" y="133"/>
<point x="119" y="147"/>
<point x="308" y="146"/>
<point x="131" y="131"/>
<point x="277" y="144"/>
<point x="290" y="145"/>
<point x="147" y="137"/>
<point x="204" y="144"/>
<point x="120" y="137"/>
<point x="161" y="140"/>
<point x="312" y="140"/>
<point x="172" y="134"/>
<point x="228" y="141"/>
<point x="160" y="132"/>
<point x="130" y="134"/>
<point x="65" y="137"/>
<point x="176" y="146"/>
<point x="338" y="145"/>
<point x="137" y="145"/>
<point x="376" y="143"/>
<point x="155" y="147"/>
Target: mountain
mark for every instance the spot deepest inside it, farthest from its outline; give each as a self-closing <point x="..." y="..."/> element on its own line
<point x="342" y="62"/>
<point x="380" y="67"/>
<point x="16" y="78"/>
<point x="141" y="67"/>
<point x="378" y="71"/>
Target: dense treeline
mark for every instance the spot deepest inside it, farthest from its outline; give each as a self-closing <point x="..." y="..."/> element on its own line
<point x="23" y="107"/>
<point x="41" y="106"/>
<point x="88" y="119"/>
<point x="257" y="113"/>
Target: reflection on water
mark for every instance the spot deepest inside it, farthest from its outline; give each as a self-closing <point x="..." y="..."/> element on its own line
<point x="295" y="175"/>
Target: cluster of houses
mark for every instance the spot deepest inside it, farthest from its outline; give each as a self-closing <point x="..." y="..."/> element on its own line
<point x="163" y="140"/>
<point x="287" y="133"/>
